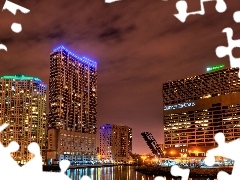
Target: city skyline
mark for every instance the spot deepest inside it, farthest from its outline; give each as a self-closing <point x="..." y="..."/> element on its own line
<point x="138" y="46"/>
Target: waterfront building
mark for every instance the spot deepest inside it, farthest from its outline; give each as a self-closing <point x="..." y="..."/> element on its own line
<point x="115" y="143"/>
<point x="72" y="107"/>
<point x="23" y="107"/>
<point x="198" y="107"/>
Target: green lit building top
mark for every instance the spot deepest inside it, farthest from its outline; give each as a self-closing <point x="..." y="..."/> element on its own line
<point x="20" y="77"/>
<point x="215" y="68"/>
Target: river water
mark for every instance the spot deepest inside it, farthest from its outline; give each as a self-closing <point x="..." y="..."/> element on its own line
<point x="115" y="173"/>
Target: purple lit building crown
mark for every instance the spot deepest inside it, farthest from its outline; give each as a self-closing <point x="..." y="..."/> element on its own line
<point x="82" y="59"/>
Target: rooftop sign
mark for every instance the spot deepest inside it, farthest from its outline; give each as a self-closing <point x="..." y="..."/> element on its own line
<point x="214" y="68"/>
<point x="178" y="106"/>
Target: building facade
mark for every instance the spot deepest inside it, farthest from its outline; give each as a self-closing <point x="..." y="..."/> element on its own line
<point x="198" y="107"/>
<point x="72" y="101"/>
<point x="115" y="143"/>
<point x="23" y="107"/>
<point x="76" y="147"/>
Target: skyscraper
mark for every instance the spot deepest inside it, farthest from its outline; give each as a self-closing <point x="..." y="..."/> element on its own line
<point x="23" y="107"/>
<point x="115" y="143"/>
<point x="72" y="105"/>
<point x="198" y="107"/>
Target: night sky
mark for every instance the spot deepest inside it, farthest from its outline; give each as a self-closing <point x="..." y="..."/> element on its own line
<point x="138" y="45"/>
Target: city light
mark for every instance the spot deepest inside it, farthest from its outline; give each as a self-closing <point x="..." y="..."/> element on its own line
<point x="177" y="106"/>
<point x="21" y="77"/>
<point x="213" y="68"/>
<point x="82" y="59"/>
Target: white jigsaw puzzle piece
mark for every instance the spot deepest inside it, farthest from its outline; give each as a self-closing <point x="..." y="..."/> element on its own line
<point x="236" y="16"/>
<point x="12" y="7"/>
<point x="6" y="160"/>
<point x="32" y="169"/>
<point x="182" y="9"/>
<point x="85" y="178"/>
<point x="111" y="1"/>
<point x="177" y="171"/>
<point x="36" y="162"/>
<point x="16" y="27"/>
<point x="159" y="178"/>
<point x="3" y="126"/>
<point x="3" y="47"/>
<point x="222" y="51"/>
<point x="228" y="150"/>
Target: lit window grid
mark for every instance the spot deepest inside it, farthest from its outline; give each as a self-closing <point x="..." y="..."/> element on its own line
<point x="77" y="143"/>
<point x="73" y="94"/>
<point x="115" y="142"/>
<point x="207" y="85"/>
<point x="198" y="128"/>
<point x="23" y="106"/>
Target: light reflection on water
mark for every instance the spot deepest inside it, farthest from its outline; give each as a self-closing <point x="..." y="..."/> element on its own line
<point x="115" y="173"/>
<point x="108" y="173"/>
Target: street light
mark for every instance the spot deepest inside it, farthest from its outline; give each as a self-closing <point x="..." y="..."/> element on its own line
<point x="156" y="160"/>
<point x="143" y="157"/>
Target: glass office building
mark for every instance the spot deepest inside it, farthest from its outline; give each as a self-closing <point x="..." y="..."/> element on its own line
<point x="198" y="107"/>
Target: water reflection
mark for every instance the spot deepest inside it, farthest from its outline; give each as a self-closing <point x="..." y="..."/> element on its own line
<point x="115" y="173"/>
<point x="108" y="173"/>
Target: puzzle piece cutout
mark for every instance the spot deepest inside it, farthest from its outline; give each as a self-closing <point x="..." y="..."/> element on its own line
<point x="16" y="27"/>
<point x="111" y="1"/>
<point x="159" y="178"/>
<point x="35" y="163"/>
<point x="85" y="178"/>
<point x="177" y="171"/>
<point x="182" y="9"/>
<point x="236" y="16"/>
<point x="6" y="159"/>
<point x="3" y="126"/>
<point x="222" y="51"/>
<point x="2" y="46"/>
<point x="33" y="168"/>
<point x="12" y="7"/>
<point x="228" y="150"/>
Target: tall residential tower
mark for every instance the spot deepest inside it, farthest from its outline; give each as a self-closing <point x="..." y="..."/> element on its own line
<point x="23" y="107"/>
<point x="72" y="107"/>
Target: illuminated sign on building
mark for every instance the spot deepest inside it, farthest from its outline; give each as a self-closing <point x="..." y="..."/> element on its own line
<point x="178" y="106"/>
<point x="213" y="68"/>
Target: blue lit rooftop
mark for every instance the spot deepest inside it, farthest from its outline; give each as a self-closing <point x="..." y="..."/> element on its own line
<point x="82" y="59"/>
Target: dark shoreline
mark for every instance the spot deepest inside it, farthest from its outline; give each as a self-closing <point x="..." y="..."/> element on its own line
<point x="194" y="172"/>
